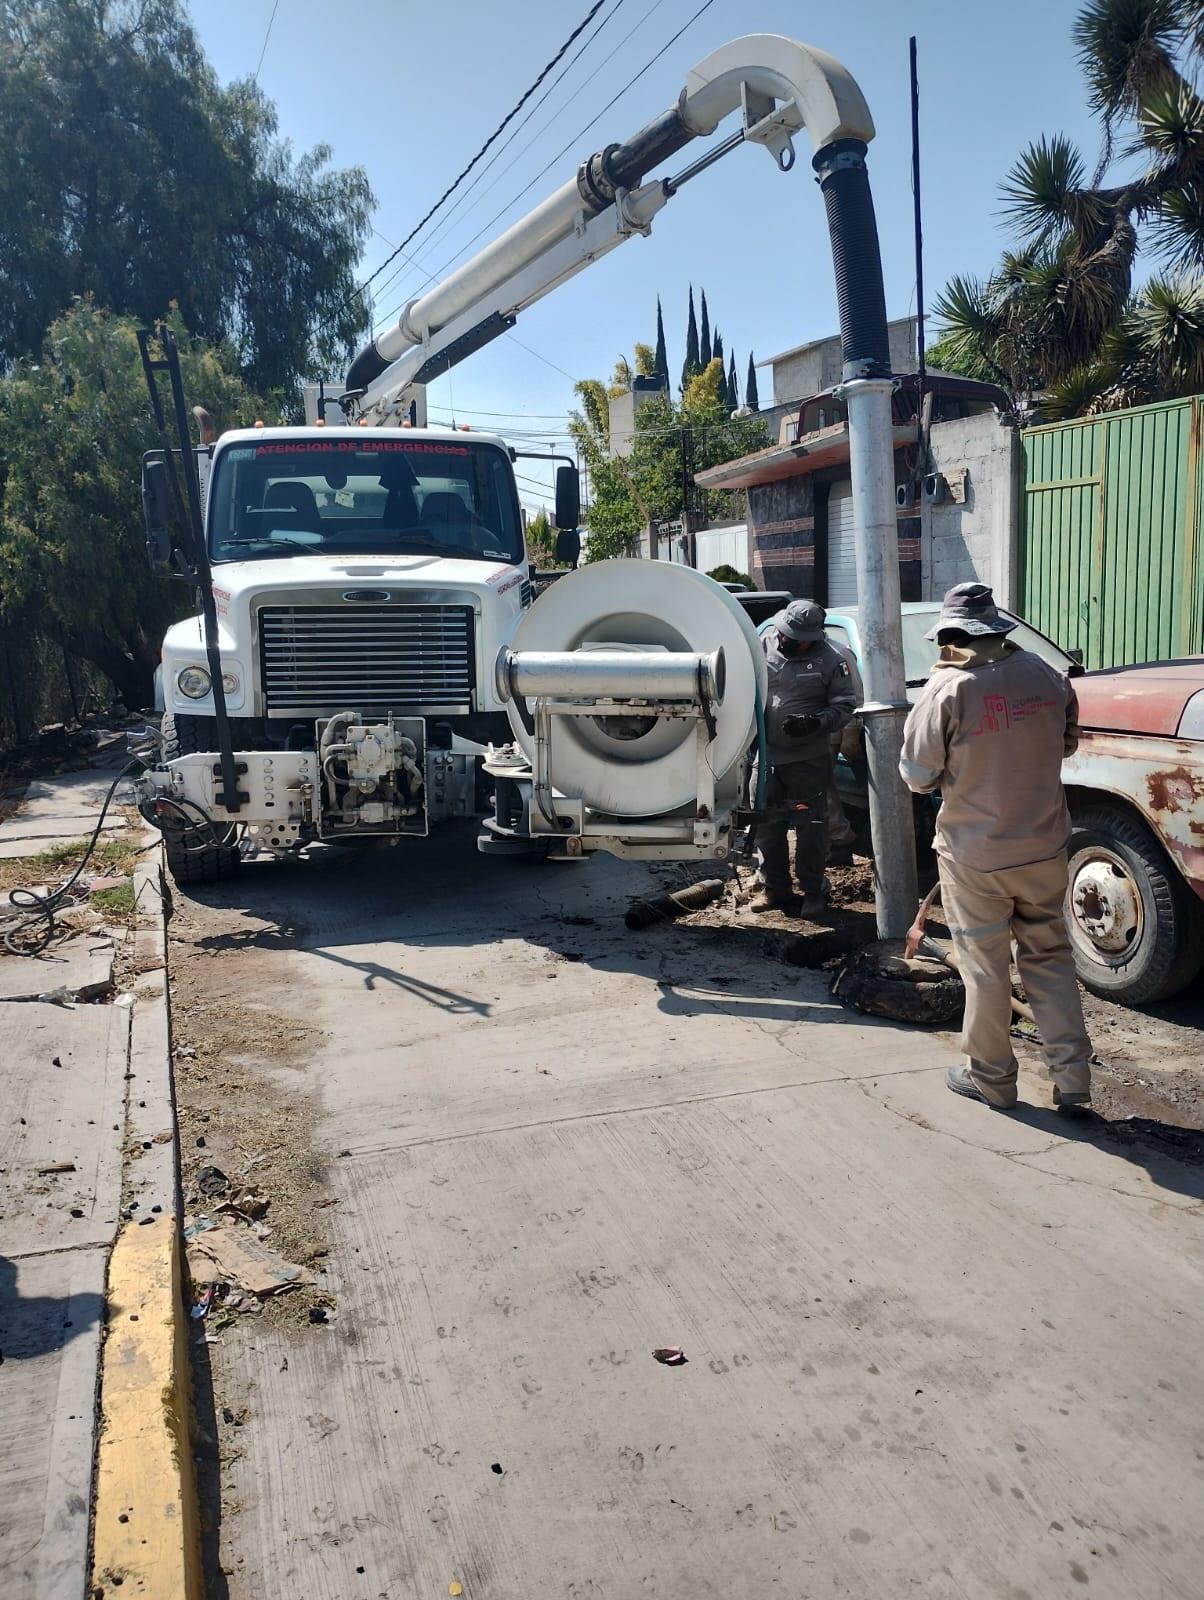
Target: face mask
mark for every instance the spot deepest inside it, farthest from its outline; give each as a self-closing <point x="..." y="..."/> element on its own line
<point x="789" y="647"/>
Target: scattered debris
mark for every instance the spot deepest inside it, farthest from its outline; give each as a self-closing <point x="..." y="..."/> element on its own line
<point x="242" y="1259"/>
<point x="56" y="1166"/>
<point x="201" y="1308"/>
<point x="212" y="1180"/>
<point x="670" y="1356"/>
<point x="250" y="1204"/>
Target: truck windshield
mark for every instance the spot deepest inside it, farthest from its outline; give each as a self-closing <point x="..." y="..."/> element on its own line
<point x="379" y="497"/>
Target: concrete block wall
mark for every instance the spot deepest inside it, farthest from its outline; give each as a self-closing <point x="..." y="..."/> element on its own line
<point x="977" y="540"/>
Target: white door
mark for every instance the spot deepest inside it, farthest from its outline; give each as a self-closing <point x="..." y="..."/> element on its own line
<point x="842" y="560"/>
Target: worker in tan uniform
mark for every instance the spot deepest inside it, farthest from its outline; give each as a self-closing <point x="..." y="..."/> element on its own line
<point x="990" y="730"/>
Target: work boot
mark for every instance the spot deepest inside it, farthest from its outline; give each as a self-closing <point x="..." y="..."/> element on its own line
<point x="1071" y="1104"/>
<point x="840" y="855"/>
<point x="960" y="1081"/>
<point x="812" y="905"/>
<point x="776" y="900"/>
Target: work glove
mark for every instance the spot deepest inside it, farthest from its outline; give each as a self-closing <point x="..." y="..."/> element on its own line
<point x="801" y="725"/>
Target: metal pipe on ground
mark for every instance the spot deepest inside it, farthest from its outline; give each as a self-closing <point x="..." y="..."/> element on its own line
<point x="668" y="907"/>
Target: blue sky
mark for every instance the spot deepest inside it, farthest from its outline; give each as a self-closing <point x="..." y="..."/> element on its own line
<point x="409" y="91"/>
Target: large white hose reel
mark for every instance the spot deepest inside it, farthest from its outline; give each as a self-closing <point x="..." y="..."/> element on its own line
<point x="631" y="688"/>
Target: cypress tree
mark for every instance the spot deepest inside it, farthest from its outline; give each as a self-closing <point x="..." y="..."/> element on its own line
<point x="691" y="362"/>
<point x="705" y="353"/>
<point x="751" y="399"/>
<point x="717" y="348"/>
<point x="733" y="393"/>
<point x="661" y="364"/>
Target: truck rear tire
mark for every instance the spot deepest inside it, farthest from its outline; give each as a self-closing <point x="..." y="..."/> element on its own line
<point x="1137" y="932"/>
<point x="191" y="863"/>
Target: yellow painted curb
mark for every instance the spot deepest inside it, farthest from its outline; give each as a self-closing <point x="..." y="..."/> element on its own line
<point x="146" y="1526"/>
<point x="146" y="1538"/>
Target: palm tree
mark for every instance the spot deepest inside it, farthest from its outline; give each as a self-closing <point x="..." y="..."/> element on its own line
<point x="1059" y="317"/>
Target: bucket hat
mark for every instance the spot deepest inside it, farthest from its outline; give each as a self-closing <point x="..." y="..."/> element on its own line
<point x="970" y="608"/>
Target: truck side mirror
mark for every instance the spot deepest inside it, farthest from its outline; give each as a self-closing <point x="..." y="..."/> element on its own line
<point x="157" y="514"/>
<point x="568" y="497"/>
<point x="568" y="546"/>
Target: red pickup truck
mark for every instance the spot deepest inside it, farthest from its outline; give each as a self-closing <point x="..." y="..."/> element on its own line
<point x="1136" y="789"/>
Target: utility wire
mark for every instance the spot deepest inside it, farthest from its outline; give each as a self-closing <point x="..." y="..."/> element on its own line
<point x="266" y="37"/>
<point x="447" y="220"/>
<point x="430" y="277"/>
<point x="497" y="132"/>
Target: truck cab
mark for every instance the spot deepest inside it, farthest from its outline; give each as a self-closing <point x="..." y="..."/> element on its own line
<point x="362" y="575"/>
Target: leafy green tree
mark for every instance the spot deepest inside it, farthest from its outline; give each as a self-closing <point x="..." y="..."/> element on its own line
<point x="1059" y="318"/>
<point x="541" y="540"/>
<point x="73" y="427"/>
<point x="615" y="516"/>
<point x="649" y="486"/>
<point x="645" y="360"/>
<point x="661" y="364"/>
<point x="131" y="175"/>
<point x="751" y="398"/>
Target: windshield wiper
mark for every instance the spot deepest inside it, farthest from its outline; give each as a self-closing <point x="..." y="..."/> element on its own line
<point x="272" y="544"/>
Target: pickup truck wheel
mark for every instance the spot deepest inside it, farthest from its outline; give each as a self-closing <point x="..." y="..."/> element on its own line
<point x="1135" y="932"/>
<point x="188" y="860"/>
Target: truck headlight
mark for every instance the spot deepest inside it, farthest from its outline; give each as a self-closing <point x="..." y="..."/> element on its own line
<point x="196" y="683"/>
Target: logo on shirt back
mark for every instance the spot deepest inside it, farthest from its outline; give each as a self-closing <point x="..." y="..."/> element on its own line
<point x="1000" y="713"/>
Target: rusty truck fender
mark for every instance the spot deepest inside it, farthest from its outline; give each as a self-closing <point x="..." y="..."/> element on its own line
<point x="1161" y="779"/>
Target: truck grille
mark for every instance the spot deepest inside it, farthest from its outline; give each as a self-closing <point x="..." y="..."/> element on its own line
<point x="321" y="659"/>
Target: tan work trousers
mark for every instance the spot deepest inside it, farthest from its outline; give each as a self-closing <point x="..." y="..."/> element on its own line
<point x="990" y="915"/>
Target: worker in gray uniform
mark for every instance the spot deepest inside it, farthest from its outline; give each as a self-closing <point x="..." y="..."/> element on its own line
<point x="847" y="742"/>
<point x="989" y="731"/>
<point x="811" y="697"/>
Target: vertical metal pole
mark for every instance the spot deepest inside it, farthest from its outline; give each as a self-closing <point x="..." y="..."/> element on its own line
<point x="876" y="544"/>
<point x="918" y="221"/>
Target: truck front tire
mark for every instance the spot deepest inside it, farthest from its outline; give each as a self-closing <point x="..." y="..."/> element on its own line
<point x="189" y="861"/>
<point x="1136" y="930"/>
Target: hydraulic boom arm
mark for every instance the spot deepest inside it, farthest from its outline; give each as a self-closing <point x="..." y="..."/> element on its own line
<point x="779" y="87"/>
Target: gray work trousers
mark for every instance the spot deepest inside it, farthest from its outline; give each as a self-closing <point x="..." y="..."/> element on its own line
<point x="840" y="830"/>
<point x="990" y="915"/>
<point x="802" y="783"/>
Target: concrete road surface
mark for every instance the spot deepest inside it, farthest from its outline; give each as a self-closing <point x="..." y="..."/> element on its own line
<point x="931" y="1349"/>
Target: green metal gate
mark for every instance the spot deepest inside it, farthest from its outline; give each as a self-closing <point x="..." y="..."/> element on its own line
<point x="1111" y="550"/>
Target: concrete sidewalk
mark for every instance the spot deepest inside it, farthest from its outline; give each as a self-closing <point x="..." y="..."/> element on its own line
<point x="62" y="1082"/>
<point x="64" y="1071"/>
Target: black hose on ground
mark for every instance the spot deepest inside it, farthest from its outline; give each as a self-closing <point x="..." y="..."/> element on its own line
<point x="668" y="907"/>
<point x="34" y="926"/>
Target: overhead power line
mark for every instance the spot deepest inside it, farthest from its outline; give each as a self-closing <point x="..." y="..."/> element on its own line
<point x="496" y="134"/>
<point x="447" y="220"/>
<point x="580" y="134"/>
<point x="266" y="37"/>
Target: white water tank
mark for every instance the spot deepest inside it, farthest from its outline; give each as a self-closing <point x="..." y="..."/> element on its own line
<point x="629" y="765"/>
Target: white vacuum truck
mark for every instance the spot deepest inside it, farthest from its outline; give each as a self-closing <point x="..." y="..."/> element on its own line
<point x="368" y="659"/>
